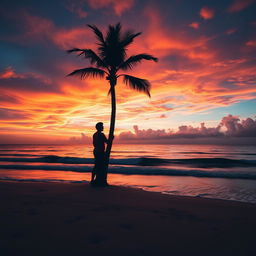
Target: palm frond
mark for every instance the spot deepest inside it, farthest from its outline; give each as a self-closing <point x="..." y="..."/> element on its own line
<point x="91" y="55"/>
<point x="74" y="50"/>
<point x="113" y="34"/>
<point x="113" y="53"/>
<point x="128" y="38"/>
<point x="135" y="59"/>
<point x="88" y="72"/>
<point x="98" y="34"/>
<point x="138" y="84"/>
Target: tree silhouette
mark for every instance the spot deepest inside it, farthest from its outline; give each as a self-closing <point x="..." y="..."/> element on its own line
<point x="111" y="58"/>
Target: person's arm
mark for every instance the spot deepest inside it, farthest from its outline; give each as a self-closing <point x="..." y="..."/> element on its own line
<point x="94" y="140"/>
<point x="106" y="140"/>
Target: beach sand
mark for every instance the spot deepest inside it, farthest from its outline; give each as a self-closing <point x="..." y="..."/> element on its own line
<point x="77" y="219"/>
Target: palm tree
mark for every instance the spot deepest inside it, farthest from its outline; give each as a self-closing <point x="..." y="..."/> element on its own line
<point x="111" y="58"/>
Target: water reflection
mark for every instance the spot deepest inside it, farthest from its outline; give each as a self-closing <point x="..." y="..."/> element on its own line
<point x="230" y="189"/>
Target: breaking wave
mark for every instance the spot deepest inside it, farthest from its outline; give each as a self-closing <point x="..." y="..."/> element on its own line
<point x="141" y="161"/>
<point x="197" y="167"/>
<point x="141" y="170"/>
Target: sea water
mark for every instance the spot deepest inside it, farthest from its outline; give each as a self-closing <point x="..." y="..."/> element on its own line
<point x="214" y="171"/>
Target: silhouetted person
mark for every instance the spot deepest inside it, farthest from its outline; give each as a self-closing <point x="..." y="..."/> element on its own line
<point x="99" y="140"/>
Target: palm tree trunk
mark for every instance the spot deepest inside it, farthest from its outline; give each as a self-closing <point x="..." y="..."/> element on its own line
<point x="112" y="126"/>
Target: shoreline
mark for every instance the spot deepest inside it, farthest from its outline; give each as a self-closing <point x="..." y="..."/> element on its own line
<point x="77" y="219"/>
<point x="87" y="183"/>
<point x="210" y="188"/>
<point x="125" y="187"/>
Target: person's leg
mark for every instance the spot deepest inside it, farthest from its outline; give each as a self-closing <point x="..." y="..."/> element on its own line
<point x="93" y="174"/>
<point x="94" y="170"/>
<point x="99" y="169"/>
<point x="102" y="168"/>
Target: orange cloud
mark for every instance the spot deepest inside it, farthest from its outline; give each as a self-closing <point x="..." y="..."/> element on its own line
<point x="207" y="13"/>
<point x="239" y="5"/>
<point x="118" y="6"/>
<point x="194" y="25"/>
<point x="69" y="38"/>
<point x="9" y="72"/>
<point x="162" y="40"/>
<point x="37" y="28"/>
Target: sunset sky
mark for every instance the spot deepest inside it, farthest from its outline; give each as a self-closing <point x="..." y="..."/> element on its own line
<point x="206" y="71"/>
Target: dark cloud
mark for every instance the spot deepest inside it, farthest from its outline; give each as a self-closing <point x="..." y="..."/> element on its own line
<point x="11" y="114"/>
<point x="83" y="139"/>
<point x="239" y="5"/>
<point x="77" y="7"/>
<point x="26" y="82"/>
<point x="235" y="127"/>
<point x="5" y="99"/>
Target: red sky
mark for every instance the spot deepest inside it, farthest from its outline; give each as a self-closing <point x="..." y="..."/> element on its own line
<point x="206" y="69"/>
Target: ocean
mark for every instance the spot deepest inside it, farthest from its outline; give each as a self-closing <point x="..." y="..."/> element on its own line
<point x="212" y="171"/>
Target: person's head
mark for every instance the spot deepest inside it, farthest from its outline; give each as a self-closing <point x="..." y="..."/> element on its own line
<point x="99" y="127"/>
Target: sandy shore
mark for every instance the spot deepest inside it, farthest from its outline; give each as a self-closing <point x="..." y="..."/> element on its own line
<point x="76" y="219"/>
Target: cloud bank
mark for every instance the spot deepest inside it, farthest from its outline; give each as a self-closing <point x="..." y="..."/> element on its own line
<point x="229" y="126"/>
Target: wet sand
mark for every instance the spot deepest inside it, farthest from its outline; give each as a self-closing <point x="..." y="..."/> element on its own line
<point x="77" y="219"/>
